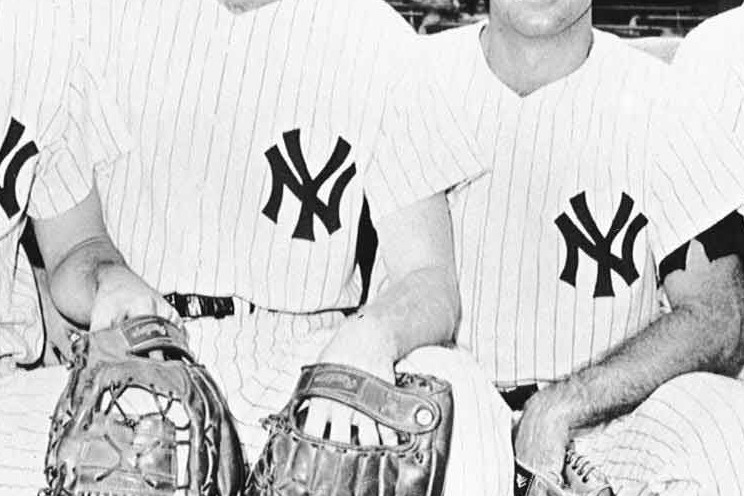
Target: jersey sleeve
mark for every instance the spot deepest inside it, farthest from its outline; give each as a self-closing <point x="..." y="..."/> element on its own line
<point x="92" y="134"/>
<point x="696" y="174"/>
<point x="422" y="146"/>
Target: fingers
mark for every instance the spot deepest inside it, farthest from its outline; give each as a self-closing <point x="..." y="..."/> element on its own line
<point x="113" y="309"/>
<point x="318" y="415"/>
<point x="341" y="423"/>
<point x="388" y="436"/>
<point x="331" y="420"/>
<point x="368" y="434"/>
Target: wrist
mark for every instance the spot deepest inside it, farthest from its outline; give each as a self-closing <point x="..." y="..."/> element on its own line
<point x="560" y="402"/>
<point x="368" y="333"/>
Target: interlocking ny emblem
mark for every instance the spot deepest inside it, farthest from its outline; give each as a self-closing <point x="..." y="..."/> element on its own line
<point x="305" y="188"/>
<point x="599" y="247"/>
<point x="8" y="198"/>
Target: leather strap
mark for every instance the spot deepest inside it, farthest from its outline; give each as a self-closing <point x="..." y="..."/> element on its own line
<point x="147" y="333"/>
<point x="398" y="408"/>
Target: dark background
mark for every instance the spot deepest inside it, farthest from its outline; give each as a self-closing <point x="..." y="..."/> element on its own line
<point x="630" y="18"/>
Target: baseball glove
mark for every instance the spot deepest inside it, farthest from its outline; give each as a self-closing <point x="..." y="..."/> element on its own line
<point x="141" y="425"/>
<point x="579" y="478"/>
<point x="418" y="408"/>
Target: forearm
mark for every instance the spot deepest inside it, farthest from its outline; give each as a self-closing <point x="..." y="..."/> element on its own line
<point x="421" y="304"/>
<point x="420" y="309"/>
<point x="76" y="278"/>
<point x="704" y="336"/>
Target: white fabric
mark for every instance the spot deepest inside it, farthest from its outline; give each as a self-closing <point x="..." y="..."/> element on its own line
<point x="538" y="303"/>
<point x="50" y="112"/>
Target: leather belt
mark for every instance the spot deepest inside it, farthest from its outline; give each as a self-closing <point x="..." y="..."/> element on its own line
<point x="196" y="305"/>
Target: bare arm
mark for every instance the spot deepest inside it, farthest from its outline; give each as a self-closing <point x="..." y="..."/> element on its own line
<point x="421" y="305"/>
<point x="703" y="332"/>
<point x="90" y="282"/>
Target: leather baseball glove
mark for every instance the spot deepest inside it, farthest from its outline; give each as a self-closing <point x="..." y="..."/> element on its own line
<point x="579" y="478"/>
<point x="149" y="421"/>
<point x="418" y="408"/>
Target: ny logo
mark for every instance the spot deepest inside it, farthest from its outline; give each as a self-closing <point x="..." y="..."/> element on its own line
<point x="305" y="188"/>
<point x="599" y="247"/>
<point x="8" y="197"/>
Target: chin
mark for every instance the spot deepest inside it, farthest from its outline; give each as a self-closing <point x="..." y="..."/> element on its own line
<point x="536" y="19"/>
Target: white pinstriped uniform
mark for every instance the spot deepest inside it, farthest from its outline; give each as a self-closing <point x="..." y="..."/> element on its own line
<point x="596" y="178"/>
<point x="214" y="101"/>
<point x="43" y="96"/>
<point x="50" y="115"/>
<point x="709" y="59"/>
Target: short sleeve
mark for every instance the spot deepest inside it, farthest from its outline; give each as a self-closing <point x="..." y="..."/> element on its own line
<point x="21" y="327"/>
<point x="423" y="146"/>
<point x="93" y="134"/>
<point x="696" y="173"/>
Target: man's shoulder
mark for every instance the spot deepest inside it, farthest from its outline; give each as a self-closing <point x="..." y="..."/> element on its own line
<point x="450" y="48"/>
<point x="714" y="40"/>
<point x="719" y="29"/>
<point x="636" y="71"/>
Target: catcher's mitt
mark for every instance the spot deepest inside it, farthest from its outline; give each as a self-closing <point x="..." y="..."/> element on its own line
<point x="418" y="409"/>
<point x="135" y="425"/>
<point x="579" y="478"/>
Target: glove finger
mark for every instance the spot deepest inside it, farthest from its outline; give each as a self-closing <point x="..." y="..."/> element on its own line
<point x="318" y="416"/>
<point x="387" y="435"/>
<point x="368" y="435"/>
<point x="341" y="422"/>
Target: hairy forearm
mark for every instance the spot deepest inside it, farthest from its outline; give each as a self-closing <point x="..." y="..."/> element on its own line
<point x="700" y="337"/>
<point x="74" y="280"/>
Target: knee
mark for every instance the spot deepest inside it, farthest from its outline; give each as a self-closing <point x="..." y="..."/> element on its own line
<point x="696" y="399"/>
<point x="703" y="386"/>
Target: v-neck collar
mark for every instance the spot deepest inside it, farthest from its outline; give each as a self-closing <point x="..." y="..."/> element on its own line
<point x="595" y="56"/>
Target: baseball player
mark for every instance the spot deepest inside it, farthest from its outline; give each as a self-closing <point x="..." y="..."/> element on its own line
<point x="708" y="59"/>
<point x="603" y="173"/>
<point x="259" y="130"/>
<point x="51" y="114"/>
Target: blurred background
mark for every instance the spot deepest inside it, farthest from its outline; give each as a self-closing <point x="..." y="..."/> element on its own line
<point x="628" y="18"/>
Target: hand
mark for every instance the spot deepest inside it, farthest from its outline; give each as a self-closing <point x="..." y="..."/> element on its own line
<point x="121" y="294"/>
<point x="543" y="435"/>
<point x="356" y="345"/>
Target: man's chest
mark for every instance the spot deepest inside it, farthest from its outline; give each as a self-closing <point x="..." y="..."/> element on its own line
<point x="567" y="201"/>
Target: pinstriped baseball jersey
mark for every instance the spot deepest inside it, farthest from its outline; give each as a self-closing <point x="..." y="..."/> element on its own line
<point x="45" y="118"/>
<point x="596" y="177"/>
<point x="258" y="135"/>
<point x="710" y="59"/>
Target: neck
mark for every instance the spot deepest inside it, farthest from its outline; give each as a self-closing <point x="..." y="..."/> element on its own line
<point x="242" y="6"/>
<point x="526" y="64"/>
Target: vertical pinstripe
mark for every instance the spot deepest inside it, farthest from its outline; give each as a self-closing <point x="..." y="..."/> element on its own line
<point x="617" y="125"/>
<point x="45" y="89"/>
<point x="686" y="439"/>
<point x="709" y="61"/>
<point x="44" y="86"/>
<point x="222" y="89"/>
<point x="206" y="93"/>
<point x="605" y="130"/>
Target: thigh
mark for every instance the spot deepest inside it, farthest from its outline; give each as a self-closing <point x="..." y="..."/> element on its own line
<point x="28" y="400"/>
<point x="481" y="456"/>
<point x="687" y="438"/>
